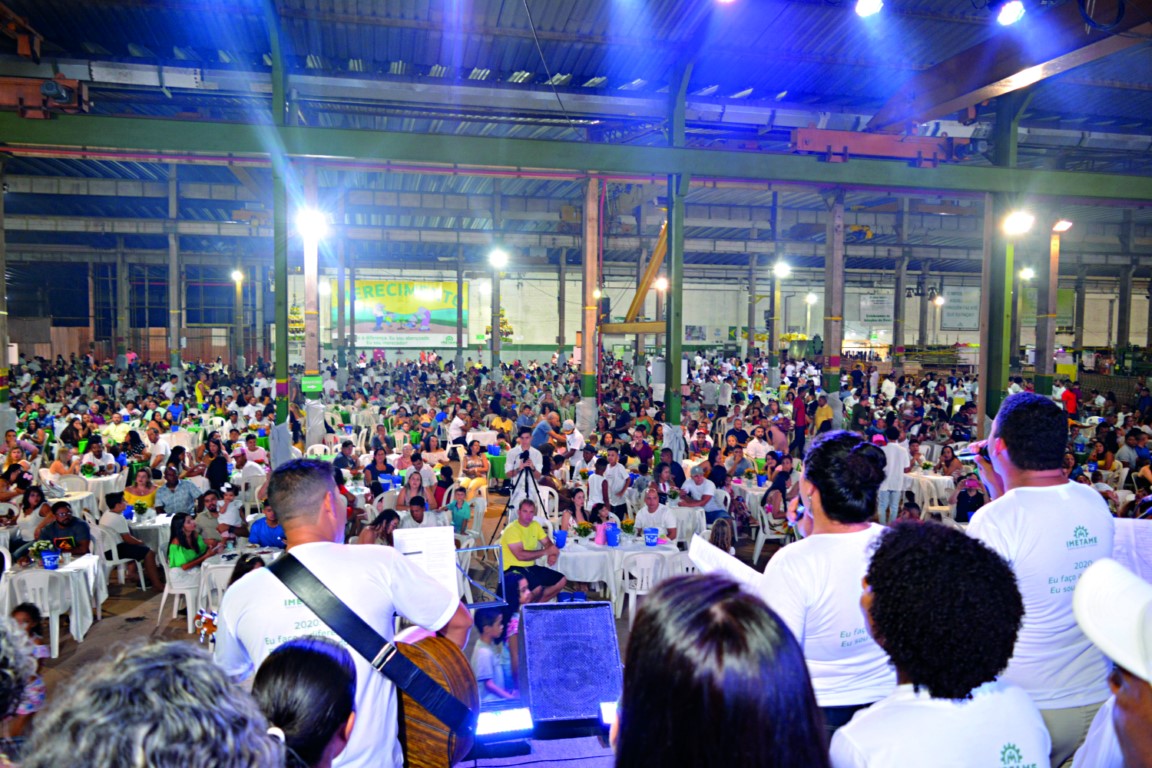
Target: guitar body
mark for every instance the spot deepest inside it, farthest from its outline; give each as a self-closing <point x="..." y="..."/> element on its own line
<point x="427" y="742"/>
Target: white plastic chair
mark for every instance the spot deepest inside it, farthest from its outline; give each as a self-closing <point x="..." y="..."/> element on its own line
<point x="464" y="560"/>
<point x="550" y="501"/>
<point x="47" y="594"/>
<point x="318" y="450"/>
<point x="216" y="582"/>
<point x="46" y="477"/>
<point x="107" y="539"/>
<point x="639" y="573"/>
<point x="73" y="483"/>
<point x="191" y="596"/>
<point x="764" y="532"/>
<point x="722" y="497"/>
<point x="546" y="524"/>
<point x="386" y="500"/>
<point x="685" y="564"/>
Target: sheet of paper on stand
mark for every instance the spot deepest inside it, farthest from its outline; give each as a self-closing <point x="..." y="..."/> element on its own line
<point x="433" y="549"/>
<point x="1132" y="547"/>
<point x="711" y="559"/>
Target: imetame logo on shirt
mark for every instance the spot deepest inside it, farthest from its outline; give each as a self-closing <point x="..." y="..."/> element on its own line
<point x="1010" y="755"/>
<point x="1081" y="538"/>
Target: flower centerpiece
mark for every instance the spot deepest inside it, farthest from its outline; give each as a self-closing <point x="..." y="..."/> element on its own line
<point x="87" y="470"/>
<point x="673" y="495"/>
<point x="926" y="466"/>
<point x="584" y="530"/>
<point x="39" y="547"/>
<point x="140" y="508"/>
<point x="628" y="527"/>
<point x="750" y="475"/>
<point x="584" y="475"/>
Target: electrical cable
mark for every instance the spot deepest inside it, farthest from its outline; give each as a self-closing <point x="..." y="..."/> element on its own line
<point x="1086" y="14"/>
<point x="547" y="70"/>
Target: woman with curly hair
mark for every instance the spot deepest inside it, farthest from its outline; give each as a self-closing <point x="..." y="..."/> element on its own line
<point x="929" y="592"/>
<point x="813" y="584"/>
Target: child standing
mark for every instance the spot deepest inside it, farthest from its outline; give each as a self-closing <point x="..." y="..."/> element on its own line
<point x="488" y="656"/>
<point x="28" y="617"/>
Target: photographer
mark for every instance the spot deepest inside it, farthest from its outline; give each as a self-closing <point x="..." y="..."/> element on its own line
<point x="968" y="497"/>
<point x="524" y="466"/>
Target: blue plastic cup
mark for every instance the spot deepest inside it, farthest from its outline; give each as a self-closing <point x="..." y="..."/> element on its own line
<point x="1092" y="466"/>
<point x="761" y="480"/>
<point x="613" y="536"/>
<point x="579" y="597"/>
<point x="175" y="427"/>
<point x="347" y="429"/>
<point x="51" y="560"/>
<point x="561" y="538"/>
<point x="651" y="536"/>
<point x="564" y="597"/>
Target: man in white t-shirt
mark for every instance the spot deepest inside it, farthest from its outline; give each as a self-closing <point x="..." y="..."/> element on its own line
<point x="949" y="709"/>
<point x="128" y="547"/>
<point x="573" y="438"/>
<point x="419" y="516"/>
<point x="258" y="612"/>
<point x="655" y="515"/>
<point x="895" y="463"/>
<point x="458" y="427"/>
<point x="619" y="481"/>
<point x="99" y="459"/>
<point x="157" y="448"/>
<point x="699" y="491"/>
<point x="255" y="453"/>
<point x="523" y="468"/>
<point x="1050" y="530"/>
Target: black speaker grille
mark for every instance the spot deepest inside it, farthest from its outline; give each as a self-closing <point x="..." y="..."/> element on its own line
<point x="570" y="658"/>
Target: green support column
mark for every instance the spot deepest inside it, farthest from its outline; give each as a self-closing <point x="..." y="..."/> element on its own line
<point x="775" y="327"/>
<point x="1047" y="289"/>
<point x="123" y="285"/>
<point x="998" y="270"/>
<point x="279" y="217"/>
<point x="5" y="415"/>
<point x="677" y="191"/>
<point x="833" y="295"/>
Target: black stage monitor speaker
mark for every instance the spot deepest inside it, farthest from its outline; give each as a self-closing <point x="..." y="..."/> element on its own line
<point x="569" y="660"/>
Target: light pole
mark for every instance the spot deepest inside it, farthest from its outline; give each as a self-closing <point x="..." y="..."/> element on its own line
<point x="810" y="300"/>
<point x="498" y="259"/>
<point x="1047" y="304"/>
<point x="661" y="285"/>
<point x="780" y="270"/>
<point x="939" y="301"/>
<point x="238" y="317"/>
<point x="312" y="225"/>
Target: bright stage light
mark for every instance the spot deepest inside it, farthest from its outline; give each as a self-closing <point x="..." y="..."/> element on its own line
<point x="325" y="288"/>
<point x="312" y="224"/>
<point x="1062" y="226"/>
<point x="810" y="299"/>
<point x="781" y="269"/>
<point x="866" y="8"/>
<point x="661" y="283"/>
<point x="498" y="258"/>
<point x="1010" y="13"/>
<point x="237" y="276"/>
<point x="939" y="300"/>
<point x="1027" y="273"/>
<point x="1018" y="223"/>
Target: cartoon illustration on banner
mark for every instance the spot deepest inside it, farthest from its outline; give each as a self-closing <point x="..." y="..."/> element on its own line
<point x="403" y="313"/>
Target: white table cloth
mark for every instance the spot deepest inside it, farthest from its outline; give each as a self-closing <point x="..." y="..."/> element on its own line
<point x="926" y="486"/>
<point x="87" y="586"/>
<point x="752" y="493"/>
<point x="592" y="562"/>
<point x="102" y="486"/>
<point x="689" y="521"/>
<point x="486" y="437"/>
<point x="154" y="533"/>
<point x="216" y="571"/>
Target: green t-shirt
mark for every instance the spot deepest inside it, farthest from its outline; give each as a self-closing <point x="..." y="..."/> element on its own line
<point x="178" y="556"/>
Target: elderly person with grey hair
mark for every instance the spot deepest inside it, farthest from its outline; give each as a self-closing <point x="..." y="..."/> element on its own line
<point x="164" y="705"/>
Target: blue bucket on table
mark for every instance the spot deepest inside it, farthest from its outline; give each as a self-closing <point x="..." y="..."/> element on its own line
<point x="493" y="450"/>
<point x="261" y="433"/>
<point x="385" y="483"/>
<point x="651" y="536"/>
<point x="397" y="480"/>
<point x="561" y="538"/>
<point x="51" y="560"/>
<point x="347" y="429"/>
<point x="761" y="480"/>
<point x="175" y="427"/>
<point x="128" y="513"/>
<point x="1093" y="466"/>
<point x="613" y="536"/>
<point x="564" y="597"/>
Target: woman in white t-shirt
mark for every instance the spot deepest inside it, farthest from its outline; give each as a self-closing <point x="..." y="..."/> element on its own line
<point x="814" y="584"/>
<point x="946" y="610"/>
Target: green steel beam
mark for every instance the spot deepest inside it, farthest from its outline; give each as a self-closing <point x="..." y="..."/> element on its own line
<point x="280" y="173"/>
<point x="223" y="140"/>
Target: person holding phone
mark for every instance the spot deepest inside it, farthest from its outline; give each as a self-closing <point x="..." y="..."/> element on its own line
<point x="968" y="497"/>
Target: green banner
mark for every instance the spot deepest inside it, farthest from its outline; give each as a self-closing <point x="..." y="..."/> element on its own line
<point x="1065" y="307"/>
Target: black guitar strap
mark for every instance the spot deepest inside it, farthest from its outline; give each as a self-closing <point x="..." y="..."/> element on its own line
<point x="380" y="653"/>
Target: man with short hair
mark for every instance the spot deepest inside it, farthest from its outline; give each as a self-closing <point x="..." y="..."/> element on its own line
<point x="896" y="460"/>
<point x="255" y="452"/>
<point x="523" y="468"/>
<point x="699" y="492"/>
<point x="524" y="543"/>
<point x="458" y="427"/>
<point x="419" y="516"/>
<point x="619" y="481"/>
<point x="103" y="463"/>
<point x="128" y="547"/>
<point x="158" y="450"/>
<point x="347" y="458"/>
<point x="66" y="532"/>
<point x="176" y="496"/>
<point x="1049" y="529"/>
<point x="656" y="515"/>
<point x="427" y="476"/>
<point x="258" y="612"/>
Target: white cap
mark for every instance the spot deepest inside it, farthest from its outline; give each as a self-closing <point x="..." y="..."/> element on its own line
<point x="1114" y="608"/>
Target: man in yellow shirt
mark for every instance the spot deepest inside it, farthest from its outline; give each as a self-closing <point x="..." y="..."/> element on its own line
<point x="823" y="414"/>
<point x="524" y="543"/>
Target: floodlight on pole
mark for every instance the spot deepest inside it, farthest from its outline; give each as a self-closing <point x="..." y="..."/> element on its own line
<point x="498" y="258"/>
<point x="661" y="284"/>
<point x="1010" y="13"/>
<point x="939" y="300"/>
<point x="237" y="276"/>
<point x="1063" y="225"/>
<point x="781" y="269"/>
<point x="596" y="294"/>
<point x="1018" y="223"/>
<point x="866" y="8"/>
<point x="312" y="224"/>
<point x="1027" y="273"/>
<point x="810" y="299"/>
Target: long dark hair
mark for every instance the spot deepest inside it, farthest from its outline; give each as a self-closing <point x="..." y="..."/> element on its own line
<point x="307" y="688"/>
<point x="743" y="696"/>
<point x="177" y="531"/>
<point x="848" y="472"/>
<point x="244" y="566"/>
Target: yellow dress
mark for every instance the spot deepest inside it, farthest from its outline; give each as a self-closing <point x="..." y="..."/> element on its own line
<point x="132" y="499"/>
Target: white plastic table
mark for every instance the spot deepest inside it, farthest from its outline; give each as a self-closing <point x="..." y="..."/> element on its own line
<point x="593" y="562"/>
<point x="87" y="587"/>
